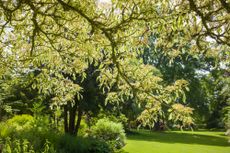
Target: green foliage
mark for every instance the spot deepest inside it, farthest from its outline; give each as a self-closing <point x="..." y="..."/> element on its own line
<point x="62" y="144"/>
<point x="71" y="144"/>
<point x="68" y="42"/>
<point x="21" y="121"/>
<point x="104" y="38"/>
<point x="37" y="108"/>
<point x="40" y="132"/>
<point x="25" y="146"/>
<point x="226" y="118"/>
<point x="225" y="92"/>
<point x="155" y="109"/>
<point x="37" y="131"/>
<point x="110" y="132"/>
<point x="114" y="116"/>
<point x="150" y="116"/>
<point x="98" y="146"/>
<point x="181" y="115"/>
<point x="15" y="125"/>
<point x="26" y="134"/>
<point x="185" y="65"/>
<point x="48" y="147"/>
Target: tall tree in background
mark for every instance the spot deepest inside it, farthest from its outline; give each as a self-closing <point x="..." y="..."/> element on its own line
<point x="200" y="70"/>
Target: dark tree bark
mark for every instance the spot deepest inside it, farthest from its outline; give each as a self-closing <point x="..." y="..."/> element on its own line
<point x="70" y="113"/>
<point x="91" y="99"/>
<point x="72" y="117"/>
<point x="159" y="125"/>
<point x="0" y="114"/>
<point x="79" y="117"/>
<point x="66" y="127"/>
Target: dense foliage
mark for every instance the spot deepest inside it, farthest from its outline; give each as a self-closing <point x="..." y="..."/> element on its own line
<point x="29" y="134"/>
<point x="68" y="61"/>
<point x="110" y="132"/>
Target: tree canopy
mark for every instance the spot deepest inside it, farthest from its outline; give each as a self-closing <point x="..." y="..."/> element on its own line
<point x="65" y="40"/>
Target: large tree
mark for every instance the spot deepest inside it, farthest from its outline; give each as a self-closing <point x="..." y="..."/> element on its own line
<point x="68" y="36"/>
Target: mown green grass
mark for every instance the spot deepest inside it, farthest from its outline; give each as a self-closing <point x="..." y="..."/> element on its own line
<point x="177" y="142"/>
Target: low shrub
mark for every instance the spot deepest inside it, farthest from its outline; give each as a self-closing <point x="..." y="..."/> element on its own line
<point x="16" y="125"/>
<point x="26" y="134"/>
<point x="40" y="132"/>
<point x="24" y="146"/>
<point x="25" y="127"/>
<point x="99" y="147"/>
<point x="71" y="144"/>
<point x="111" y="132"/>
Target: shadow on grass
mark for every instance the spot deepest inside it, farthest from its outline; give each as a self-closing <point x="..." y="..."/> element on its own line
<point x="178" y="137"/>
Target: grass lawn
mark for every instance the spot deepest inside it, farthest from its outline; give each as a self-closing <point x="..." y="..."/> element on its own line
<point x="177" y="142"/>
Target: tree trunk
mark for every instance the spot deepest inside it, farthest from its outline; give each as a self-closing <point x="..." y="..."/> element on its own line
<point x="69" y="119"/>
<point x="157" y="126"/>
<point x="72" y="117"/>
<point x="79" y="117"/>
<point x="66" y="127"/>
<point x="88" y="120"/>
<point x="0" y="114"/>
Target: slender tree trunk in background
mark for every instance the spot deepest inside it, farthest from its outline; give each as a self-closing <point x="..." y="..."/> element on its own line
<point x="70" y="113"/>
<point x="157" y="126"/>
<point x="72" y="117"/>
<point x="1" y="148"/>
<point x="88" y="120"/>
<point x="79" y="117"/>
<point x="66" y="127"/>
<point x="0" y="114"/>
